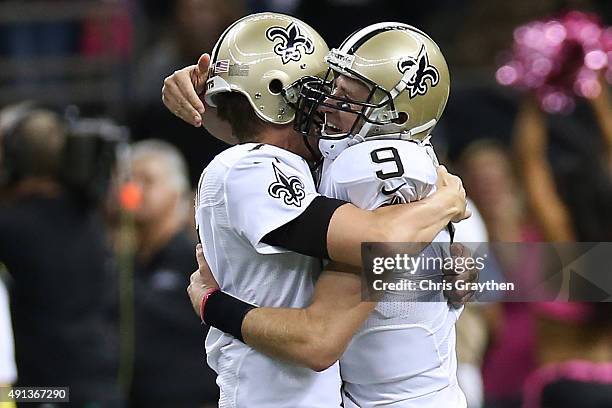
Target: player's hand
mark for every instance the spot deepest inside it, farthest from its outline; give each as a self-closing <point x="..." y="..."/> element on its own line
<point x="456" y="297"/>
<point x="181" y="91"/>
<point x="201" y="281"/>
<point x="452" y="186"/>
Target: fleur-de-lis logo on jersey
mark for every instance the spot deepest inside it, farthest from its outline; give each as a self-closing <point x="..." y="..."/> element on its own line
<point x="291" y="44"/>
<point x="289" y="189"/>
<point x="420" y="71"/>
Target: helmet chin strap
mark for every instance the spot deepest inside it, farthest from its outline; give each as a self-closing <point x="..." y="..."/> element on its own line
<point x="332" y="145"/>
<point x="406" y="135"/>
<point x="331" y="148"/>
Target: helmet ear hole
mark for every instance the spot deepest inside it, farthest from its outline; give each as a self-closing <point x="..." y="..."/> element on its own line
<point x="401" y="118"/>
<point x="275" y="86"/>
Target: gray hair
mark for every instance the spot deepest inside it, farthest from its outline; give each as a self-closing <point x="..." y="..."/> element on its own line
<point x="171" y="155"/>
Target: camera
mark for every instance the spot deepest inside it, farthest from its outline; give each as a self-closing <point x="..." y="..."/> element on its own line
<point x="82" y="163"/>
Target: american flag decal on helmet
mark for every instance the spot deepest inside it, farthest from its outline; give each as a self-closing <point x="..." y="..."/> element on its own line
<point x="222" y="67"/>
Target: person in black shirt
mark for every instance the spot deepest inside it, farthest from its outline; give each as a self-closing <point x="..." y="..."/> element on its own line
<point x="55" y="251"/>
<point x="169" y="362"/>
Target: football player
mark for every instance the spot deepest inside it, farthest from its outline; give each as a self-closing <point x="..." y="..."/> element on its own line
<point x="259" y="213"/>
<point x="378" y="121"/>
<point x="391" y="85"/>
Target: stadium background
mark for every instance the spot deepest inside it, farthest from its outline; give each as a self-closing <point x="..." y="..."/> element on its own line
<point x="109" y="58"/>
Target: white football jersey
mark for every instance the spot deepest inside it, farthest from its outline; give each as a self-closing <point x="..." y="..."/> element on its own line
<point x="404" y="354"/>
<point x="8" y="370"/>
<point x="246" y="192"/>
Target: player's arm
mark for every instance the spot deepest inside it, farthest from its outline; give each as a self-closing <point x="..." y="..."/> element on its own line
<point x="272" y="202"/>
<point x="419" y="221"/>
<point x="317" y="336"/>
<point x="314" y="337"/>
<point x="530" y="145"/>
<point x="181" y="95"/>
<point x="334" y="230"/>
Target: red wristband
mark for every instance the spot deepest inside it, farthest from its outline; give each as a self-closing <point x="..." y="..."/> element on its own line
<point x="205" y="299"/>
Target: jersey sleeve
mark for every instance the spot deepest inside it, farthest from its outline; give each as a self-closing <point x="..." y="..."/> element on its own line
<point x="264" y="191"/>
<point x="371" y="175"/>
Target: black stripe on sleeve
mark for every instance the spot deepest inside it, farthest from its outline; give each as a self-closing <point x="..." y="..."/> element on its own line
<point x="307" y="234"/>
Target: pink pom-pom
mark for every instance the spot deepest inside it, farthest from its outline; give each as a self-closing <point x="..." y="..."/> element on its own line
<point x="559" y="59"/>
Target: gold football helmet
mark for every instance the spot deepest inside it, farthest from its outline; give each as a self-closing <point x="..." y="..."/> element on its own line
<point x="408" y="80"/>
<point x="267" y="57"/>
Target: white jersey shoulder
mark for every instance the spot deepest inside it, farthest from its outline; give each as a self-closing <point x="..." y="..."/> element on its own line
<point x="263" y="188"/>
<point x="381" y="172"/>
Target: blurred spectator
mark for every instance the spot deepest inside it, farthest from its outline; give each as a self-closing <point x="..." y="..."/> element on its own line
<point x="170" y="368"/>
<point x="55" y="250"/>
<point x="571" y="194"/>
<point x="489" y="177"/>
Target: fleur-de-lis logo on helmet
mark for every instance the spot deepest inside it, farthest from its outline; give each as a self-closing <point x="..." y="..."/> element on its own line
<point x="421" y="70"/>
<point x="291" y="44"/>
<point x="290" y="189"/>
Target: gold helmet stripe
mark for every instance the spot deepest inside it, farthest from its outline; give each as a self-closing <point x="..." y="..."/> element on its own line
<point x="215" y="51"/>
